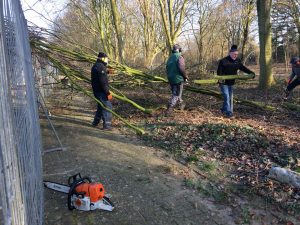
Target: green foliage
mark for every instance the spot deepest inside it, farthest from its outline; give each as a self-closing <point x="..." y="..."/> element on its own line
<point x="297" y="169"/>
<point x="246" y="215"/>
<point x="192" y="158"/>
<point x="207" y="166"/>
<point x="189" y="183"/>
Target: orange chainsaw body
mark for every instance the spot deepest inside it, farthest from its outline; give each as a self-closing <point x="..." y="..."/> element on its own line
<point x="93" y="190"/>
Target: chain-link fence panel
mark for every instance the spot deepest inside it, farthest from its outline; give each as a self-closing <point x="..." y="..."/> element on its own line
<point x="21" y="188"/>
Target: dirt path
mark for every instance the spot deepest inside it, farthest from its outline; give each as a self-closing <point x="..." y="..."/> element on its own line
<point x="145" y="185"/>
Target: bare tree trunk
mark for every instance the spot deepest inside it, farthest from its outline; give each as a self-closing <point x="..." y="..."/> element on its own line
<point x="246" y="24"/>
<point x="101" y="14"/>
<point x="298" y="27"/>
<point x="292" y="8"/>
<point x="265" y="43"/>
<point x="171" y="22"/>
<point x="117" y="25"/>
<point x="296" y="14"/>
<point x="149" y="22"/>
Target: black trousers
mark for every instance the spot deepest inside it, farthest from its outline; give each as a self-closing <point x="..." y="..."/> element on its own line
<point x="294" y="84"/>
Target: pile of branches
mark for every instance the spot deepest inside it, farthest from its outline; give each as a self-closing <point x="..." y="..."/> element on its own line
<point x="71" y="63"/>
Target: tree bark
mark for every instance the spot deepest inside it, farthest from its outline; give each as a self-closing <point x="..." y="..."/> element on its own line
<point x="171" y="22"/>
<point x="265" y="43"/>
<point x="246" y="22"/>
<point x="117" y="25"/>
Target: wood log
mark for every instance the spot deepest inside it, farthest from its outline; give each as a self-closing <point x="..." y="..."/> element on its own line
<point x="285" y="176"/>
<point x="215" y="79"/>
<point x="218" y="95"/>
<point x="291" y="106"/>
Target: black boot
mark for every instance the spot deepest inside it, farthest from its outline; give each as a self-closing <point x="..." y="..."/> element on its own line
<point x="181" y="106"/>
<point x="286" y="94"/>
<point x="95" y="122"/>
<point x="169" y="111"/>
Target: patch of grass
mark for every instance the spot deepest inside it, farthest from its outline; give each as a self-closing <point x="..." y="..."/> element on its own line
<point x="163" y="169"/>
<point x="189" y="183"/>
<point x="287" y="158"/>
<point x="297" y="169"/>
<point x="145" y="179"/>
<point x="208" y="166"/>
<point x="292" y="208"/>
<point x="90" y="219"/>
<point x="246" y="215"/>
<point x="243" y="189"/>
<point x="207" y="189"/>
<point x="210" y="190"/>
<point x="192" y="158"/>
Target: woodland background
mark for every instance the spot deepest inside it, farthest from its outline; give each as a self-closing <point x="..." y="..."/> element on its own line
<point x="231" y="158"/>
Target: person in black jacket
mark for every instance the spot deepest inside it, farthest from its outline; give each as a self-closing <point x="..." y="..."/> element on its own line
<point x="229" y="66"/>
<point x="101" y="91"/>
<point x="294" y="79"/>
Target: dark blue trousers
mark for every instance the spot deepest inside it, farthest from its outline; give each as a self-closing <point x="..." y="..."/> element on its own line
<point x="101" y="113"/>
<point x="227" y="92"/>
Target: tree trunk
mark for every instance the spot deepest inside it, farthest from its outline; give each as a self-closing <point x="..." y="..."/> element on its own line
<point x="299" y="40"/>
<point x="117" y="25"/>
<point x="248" y="8"/>
<point x="296" y="14"/>
<point x="265" y="43"/>
<point x="172" y="23"/>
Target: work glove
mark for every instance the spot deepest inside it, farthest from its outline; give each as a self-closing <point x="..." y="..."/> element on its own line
<point x="110" y="71"/>
<point x="109" y="97"/>
<point x="253" y="74"/>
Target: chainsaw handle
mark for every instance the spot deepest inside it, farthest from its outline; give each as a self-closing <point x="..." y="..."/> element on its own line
<point x="70" y="206"/>
<point x="73" y="185"/>
<point x="73" y="178"/>
<point x="76" y="177"/>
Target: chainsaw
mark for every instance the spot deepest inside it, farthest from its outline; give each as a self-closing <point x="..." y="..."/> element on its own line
<point x="83" y="194"/>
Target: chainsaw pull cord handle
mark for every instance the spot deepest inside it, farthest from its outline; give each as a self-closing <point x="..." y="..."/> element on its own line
<point x="73" y="186"/>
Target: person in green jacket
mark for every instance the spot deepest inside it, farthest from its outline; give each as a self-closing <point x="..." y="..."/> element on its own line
<point x="176" y="76"/>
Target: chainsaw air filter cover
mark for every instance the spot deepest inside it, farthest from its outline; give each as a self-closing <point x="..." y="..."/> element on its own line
<point x="93" y="190"/>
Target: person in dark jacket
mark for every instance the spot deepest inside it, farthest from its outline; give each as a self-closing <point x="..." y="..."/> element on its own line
<point x="229" y="66"/>
<point x="176" y="76"/>
<point x="294" y="79"/>
<point x="101" y="91"/>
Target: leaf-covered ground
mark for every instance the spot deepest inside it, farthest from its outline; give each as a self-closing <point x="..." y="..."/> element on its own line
<point x="231" y="157"/>
<point x="234" y="155"/>
<point x="243" y="153"/>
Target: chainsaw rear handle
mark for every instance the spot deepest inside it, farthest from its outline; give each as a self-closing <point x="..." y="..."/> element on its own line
<point x="72" y="191"/>
<point x="75" y="182"/>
